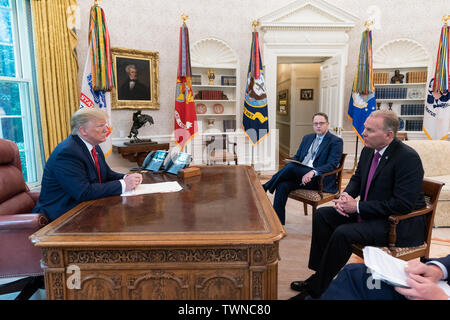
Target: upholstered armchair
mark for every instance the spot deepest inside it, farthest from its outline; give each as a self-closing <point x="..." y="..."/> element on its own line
<point x="18" y="256"/>
<point x="435" y="155"/>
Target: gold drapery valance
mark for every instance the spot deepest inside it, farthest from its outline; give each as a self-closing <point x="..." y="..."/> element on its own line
<point x="57" y="67"/>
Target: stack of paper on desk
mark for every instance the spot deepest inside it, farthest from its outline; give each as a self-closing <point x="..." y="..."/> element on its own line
<point x="172" y="186"/>
<point x="390" y="269"/>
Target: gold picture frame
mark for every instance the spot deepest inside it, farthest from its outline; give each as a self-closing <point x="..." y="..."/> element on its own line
<point x="136" y="73"/>
<point x="283" y="102"/>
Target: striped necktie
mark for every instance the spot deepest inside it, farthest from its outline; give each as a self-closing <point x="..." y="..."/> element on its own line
<point x="312" y="152"/>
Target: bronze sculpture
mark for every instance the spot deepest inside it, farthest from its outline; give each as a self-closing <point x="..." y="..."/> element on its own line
<point x="139" y="120"/>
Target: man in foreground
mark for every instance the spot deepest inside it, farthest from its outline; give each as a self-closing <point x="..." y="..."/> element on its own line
<point x="354" y="283"/>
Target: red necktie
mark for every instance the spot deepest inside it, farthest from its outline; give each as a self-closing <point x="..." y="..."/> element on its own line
<point x="94" y="155"/>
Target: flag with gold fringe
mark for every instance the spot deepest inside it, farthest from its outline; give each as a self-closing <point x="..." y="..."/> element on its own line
<point x="436" y="120"/>
<point x="185" y="116"/>
<point x="362" y="99"/>
<point x="255" y="121"/>
<point x="98" y="78"/>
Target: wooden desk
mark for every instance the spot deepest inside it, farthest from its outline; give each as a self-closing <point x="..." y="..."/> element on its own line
<point x="137" y="153"/>
<point x="216" y="239"/>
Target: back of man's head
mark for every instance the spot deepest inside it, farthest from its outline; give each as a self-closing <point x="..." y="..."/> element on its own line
<point x="83" y="116"/>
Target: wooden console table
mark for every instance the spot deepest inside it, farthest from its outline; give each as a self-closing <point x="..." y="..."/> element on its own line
<point x="216" y="239"/>
<point x="138" y="152"/>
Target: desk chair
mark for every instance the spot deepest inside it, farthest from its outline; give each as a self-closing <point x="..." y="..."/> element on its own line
<point x="317" y="197"/>
<point x="431" y="190"/>
<point x="18" y="256"/>
<point x="220" y="148"/>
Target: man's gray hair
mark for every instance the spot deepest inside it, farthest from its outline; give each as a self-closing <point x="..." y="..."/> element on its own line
<point x="390" y="120"/>
<point x="130" y="66"/>
<point x="83" y="116"/>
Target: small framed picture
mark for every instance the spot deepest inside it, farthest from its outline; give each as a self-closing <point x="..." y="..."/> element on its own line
<point x="228" y="80"/>
<point x="283" y="102"/>
<point x="306" y="94"/>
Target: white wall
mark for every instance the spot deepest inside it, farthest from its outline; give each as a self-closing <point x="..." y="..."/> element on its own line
<point x="154" y="26"/>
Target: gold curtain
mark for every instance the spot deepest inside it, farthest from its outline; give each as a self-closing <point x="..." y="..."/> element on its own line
<point x="57" y="68"/>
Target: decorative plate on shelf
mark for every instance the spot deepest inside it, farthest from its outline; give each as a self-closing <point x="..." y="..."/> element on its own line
<point x="200" y="108"/>
<point x="402" y="124"/>
<point x="415" y="93"/>
<point x="218" y="108"/>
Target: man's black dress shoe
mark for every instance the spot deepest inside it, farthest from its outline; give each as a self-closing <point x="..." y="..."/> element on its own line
<point x="301" y="296"/>
<point x="299" y="285"/>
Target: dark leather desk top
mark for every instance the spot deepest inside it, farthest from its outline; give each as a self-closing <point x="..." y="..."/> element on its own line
<point x="223" y="204"/>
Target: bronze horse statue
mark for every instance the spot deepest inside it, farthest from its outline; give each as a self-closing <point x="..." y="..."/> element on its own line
<point x="139" y="120"/>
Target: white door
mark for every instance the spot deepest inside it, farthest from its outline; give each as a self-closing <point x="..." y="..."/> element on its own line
<point x="330" y="100"/>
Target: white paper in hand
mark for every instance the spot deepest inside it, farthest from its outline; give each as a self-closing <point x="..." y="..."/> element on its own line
<point x="385" y="267"/>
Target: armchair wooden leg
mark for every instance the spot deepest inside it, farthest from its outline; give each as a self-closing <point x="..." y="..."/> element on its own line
<point x="305" y="208"/>
<point x="314" y="209"/>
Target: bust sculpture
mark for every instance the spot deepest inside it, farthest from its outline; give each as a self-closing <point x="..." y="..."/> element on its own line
<point x="397" y="78"/>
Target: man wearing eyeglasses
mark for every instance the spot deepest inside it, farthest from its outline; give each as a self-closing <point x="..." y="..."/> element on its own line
<point x="319" y="152"/>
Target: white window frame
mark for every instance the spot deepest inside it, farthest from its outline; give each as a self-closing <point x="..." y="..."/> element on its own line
<point x="21" y="30"/>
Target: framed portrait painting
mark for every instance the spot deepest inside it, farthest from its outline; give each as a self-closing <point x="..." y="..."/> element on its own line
<point x="137" y="79"/>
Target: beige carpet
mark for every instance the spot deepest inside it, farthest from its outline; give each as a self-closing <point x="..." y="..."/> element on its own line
<point x="294" y="248"/>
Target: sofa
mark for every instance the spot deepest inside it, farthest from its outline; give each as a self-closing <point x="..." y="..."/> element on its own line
<point x="435" y="155"/>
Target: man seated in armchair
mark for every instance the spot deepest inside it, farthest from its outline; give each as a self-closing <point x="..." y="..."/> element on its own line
<point x="319" y="152"/>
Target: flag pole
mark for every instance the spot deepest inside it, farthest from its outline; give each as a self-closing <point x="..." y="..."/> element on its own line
<point x="367" y="25"/>
<point x="255" y="24"/>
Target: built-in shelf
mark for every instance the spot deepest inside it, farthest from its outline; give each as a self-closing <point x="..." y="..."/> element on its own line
<point x="393" y="100"/>
<point x="215" y="115"/>
<point x="400" y="84"/>
<point x="211" y="86"/>
<point x="200" y="101"/>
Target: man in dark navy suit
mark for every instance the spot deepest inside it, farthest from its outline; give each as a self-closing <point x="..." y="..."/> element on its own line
<point x="354" y="282"/>
<point x="76" y="171"/>
<point x="319" y="152"/>
<point x="388" y="180"/>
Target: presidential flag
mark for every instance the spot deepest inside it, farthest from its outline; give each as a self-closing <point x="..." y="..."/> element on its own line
<point x="98" y="78"/>
<point x="185" y="116"/>
<point x="359" y="109"/>
<point x="436" y="119"/>
<point x="255" y="121"/>
<point x="362" y="99"/>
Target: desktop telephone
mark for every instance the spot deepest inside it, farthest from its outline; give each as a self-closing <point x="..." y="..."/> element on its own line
<point x="157" y="159"/>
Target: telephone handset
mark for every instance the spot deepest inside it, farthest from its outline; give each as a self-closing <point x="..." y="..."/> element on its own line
<point x="147" y="160"/>
<point x="154" y="160"/>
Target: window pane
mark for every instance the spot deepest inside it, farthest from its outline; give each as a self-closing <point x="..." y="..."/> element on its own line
<point x="5" y="26"/>
<point x="23" y="161"/>
<point x="9" y="99"/>
<point x="4" y="3"/>
<point x="7" y="64"/>
<point x="11" y="129"/>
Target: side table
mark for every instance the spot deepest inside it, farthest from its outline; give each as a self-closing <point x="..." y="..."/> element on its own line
<point x="137" y="153"/>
